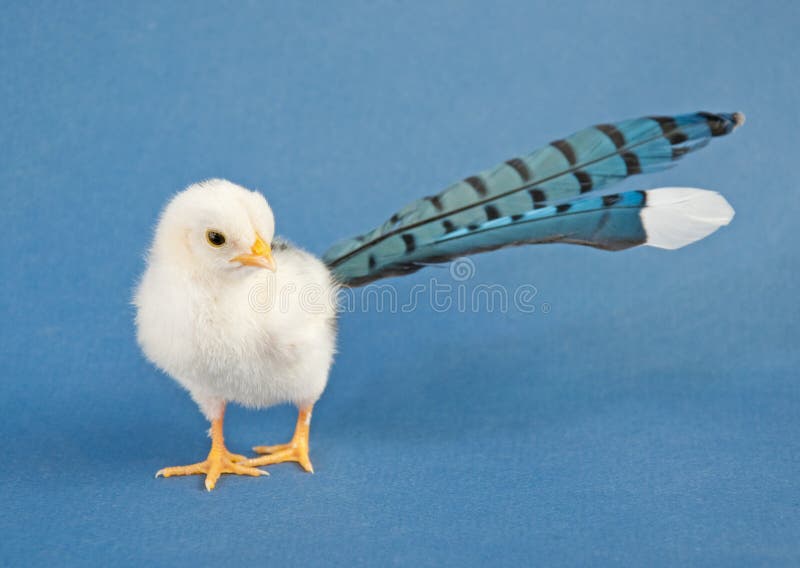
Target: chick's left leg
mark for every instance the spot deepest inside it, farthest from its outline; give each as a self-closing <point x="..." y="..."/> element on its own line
<point x="219" y="460"/>
<point x="296" y="450"/>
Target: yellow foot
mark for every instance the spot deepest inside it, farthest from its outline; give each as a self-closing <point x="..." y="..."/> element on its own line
<point x="217" y="463"/>
<point x="296" y="451"/>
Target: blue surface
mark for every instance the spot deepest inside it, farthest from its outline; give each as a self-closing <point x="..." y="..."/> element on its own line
<point x="649" y="418"/>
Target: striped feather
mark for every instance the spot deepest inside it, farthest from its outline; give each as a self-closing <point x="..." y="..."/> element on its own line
<point x="532" y="199"/>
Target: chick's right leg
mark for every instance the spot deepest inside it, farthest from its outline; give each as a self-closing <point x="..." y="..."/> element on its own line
<point x="295" y="451"/>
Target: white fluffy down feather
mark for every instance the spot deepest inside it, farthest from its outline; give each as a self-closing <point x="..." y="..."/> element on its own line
<point x="226" y="331"/>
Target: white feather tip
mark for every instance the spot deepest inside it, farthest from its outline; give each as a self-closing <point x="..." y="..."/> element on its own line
<point x="678" y="216"/>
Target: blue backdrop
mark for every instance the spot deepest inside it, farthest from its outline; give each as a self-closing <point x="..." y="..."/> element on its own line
<point x="649" y="417"/>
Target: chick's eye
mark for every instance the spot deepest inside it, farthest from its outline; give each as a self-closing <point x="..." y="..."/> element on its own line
<point x="215" y="239"/>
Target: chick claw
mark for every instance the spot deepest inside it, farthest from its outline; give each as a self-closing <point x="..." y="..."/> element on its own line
<point x="217" y="463"/>
<point x="296" y="451"/>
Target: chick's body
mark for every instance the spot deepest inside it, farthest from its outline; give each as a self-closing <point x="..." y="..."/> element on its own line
<point x="262" y="339"/>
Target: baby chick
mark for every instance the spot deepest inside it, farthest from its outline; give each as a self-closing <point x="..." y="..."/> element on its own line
<point x="202" y="317"/>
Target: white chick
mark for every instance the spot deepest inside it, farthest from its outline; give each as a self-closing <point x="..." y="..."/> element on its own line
<point x="233" y="315"/>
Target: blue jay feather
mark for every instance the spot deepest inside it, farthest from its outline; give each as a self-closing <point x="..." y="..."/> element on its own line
<point x="536" y="198"/>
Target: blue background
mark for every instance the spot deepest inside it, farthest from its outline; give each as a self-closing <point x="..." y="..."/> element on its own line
<point x="651" y="417"/>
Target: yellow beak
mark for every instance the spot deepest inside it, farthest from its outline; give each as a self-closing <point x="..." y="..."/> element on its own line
<point x="261" y="255"/>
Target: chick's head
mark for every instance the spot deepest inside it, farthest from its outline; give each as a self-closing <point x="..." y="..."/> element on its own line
<point x="216" y="228"/>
